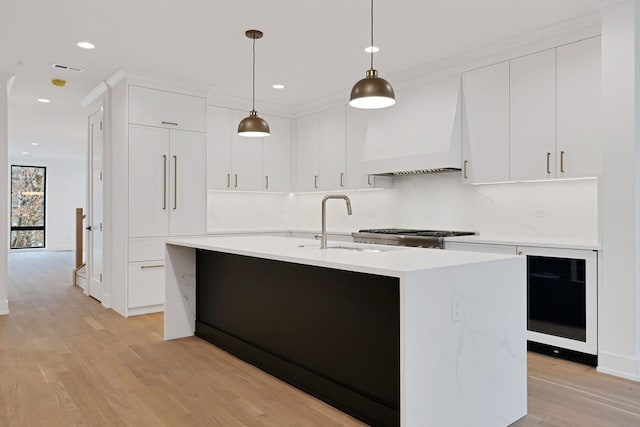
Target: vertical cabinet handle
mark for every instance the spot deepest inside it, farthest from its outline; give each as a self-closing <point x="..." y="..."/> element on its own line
<point x="369" y="180"/>
<point x="175" y="182"/>
<point x="548" y="163"/>
<point x="562" y="161"/>
<point x="315" y="181"/>
<point x="164" y="182"/>
<point x="464" y="169"/>
<point x="228" y="180"/>
<point x="341" y="179"/>
<point x="266" y="182"/>
<point x="235" y="180"/>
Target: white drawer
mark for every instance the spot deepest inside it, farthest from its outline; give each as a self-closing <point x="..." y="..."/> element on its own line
<point x="481" y="247"/>
<point x="146" y="249"/>
<point x="145" y="284"/>
<point x="172" y="110"/>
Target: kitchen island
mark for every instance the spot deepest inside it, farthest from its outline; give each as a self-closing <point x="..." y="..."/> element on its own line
<point x="394" y="336"/>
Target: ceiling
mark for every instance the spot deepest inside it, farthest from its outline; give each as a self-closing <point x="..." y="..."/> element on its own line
<point x="314" y="48"/>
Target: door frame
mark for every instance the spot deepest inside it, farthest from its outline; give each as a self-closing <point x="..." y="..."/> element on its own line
<point x="89" y="202"/>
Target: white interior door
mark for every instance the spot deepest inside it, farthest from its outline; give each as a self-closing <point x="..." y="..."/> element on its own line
<point x="95" y="214"/>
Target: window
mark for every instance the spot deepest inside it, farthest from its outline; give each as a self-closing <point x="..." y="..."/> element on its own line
<point x="28" y="185"/>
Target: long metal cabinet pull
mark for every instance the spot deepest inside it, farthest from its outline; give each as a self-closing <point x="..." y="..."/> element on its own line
<point x="464" y="172"/>
<point x="170" y="123"/>
<point x="315" y="181"/>
<point x="235" y="180"/>
<point x="548" y="162"/>
<point x="341" y="179"/>
<point x="266" y="182"/>
<point x="562" y="161"/>
<point x="144" y="267"/>
<point x="164" y="182"/>
<point x="228" y="180"/>
<point x="369" y="180"/>
<point x="175" y="182"/>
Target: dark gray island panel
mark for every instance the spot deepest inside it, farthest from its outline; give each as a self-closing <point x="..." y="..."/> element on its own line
<point x="332" y="333"/>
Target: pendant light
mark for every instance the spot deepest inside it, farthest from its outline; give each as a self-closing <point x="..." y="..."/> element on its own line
<point x="253" y="126"/>
<point x="372" y="91"/>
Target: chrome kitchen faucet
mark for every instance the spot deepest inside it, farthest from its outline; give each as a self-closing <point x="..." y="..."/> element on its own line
<point x="323" y="239"/>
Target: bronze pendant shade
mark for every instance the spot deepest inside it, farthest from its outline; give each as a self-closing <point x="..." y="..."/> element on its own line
<point x="254" y="126"/>
<point x="372" y="92"/>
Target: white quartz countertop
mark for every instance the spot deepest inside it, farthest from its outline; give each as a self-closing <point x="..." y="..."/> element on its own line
<point x="527" y="241"/>
<point x="388" y="261"/>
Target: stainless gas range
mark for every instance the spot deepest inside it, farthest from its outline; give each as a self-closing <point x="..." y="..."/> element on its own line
<point x="406" y="237"/>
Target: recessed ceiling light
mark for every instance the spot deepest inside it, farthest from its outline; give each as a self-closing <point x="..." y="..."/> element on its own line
<point x="44" y="100"/>
<point x="278" y="86"/>
<point x="35" y="143"/>
<point x="372" y="49"/>
<point x="85" y="45"/>
<point x="25" y="153"/>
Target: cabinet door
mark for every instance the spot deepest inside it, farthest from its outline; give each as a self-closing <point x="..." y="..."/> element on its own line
<point x="332" y="149"/>
<point x="485" y="124"/>
<point x="219" y="138"/>
<point x="148" y="181"/>
<point x="277" y="155"/>
<point x="168" y="109"/>
<point x="579" y="109"/>
<point x="145" y="284"/>
<point x="533" y="116"/>
<point x="187" y="198"/>
<point x="307" y="153"/>
<point x="246" y="159"/>
<point x="356" y="135"/>
<point x="489" y="248"/>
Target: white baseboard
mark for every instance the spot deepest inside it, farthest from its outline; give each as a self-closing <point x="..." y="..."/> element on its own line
<point x="4" y="307"/>
<point x="619" y="365"/>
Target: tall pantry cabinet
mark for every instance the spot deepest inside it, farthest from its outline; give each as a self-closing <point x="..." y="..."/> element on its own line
<point x="158" y="188"/>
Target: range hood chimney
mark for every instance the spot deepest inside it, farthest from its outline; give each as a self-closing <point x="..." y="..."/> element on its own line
<point x="420" y="134"/>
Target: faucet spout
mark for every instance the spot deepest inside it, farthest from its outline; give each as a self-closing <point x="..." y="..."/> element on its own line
<point x="323" y="239"/>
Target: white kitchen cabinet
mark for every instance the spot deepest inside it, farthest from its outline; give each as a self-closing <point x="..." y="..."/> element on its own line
<point x="307" y="153"/>
<point x="332" y="129"/>
<point x="220" y="132"/>
<point x="158" y="182"/>
<point x="533" y="116"/>
<point x="357" y="121"/>
<point x="246" y="159"/>
<point x="146" y="284"/>
<point x="162" y="108"/>
<point x="320" y="151"/>
<point x="247" y="164"/>
<point x="485" y="124"/>
<point x="166" y="182"/>
<point x="277" y="155"/>
<point x="579" y="109"/>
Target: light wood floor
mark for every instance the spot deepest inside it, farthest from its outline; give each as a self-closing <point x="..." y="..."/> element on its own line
<point x="65" y="361"/>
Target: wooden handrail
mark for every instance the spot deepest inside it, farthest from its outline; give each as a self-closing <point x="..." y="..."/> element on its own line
<point x="79" y="237"/>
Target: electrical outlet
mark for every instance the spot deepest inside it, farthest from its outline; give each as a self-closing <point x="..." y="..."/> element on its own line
<point x="539" y="213"/>
<point x="456" y="309"/>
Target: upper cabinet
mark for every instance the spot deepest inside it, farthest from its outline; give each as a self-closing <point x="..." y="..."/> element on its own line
<point x="356" y="131"/>
<point x="579" y="100"/>
<point x="533" y="116"/>
<point x="485" y="124"/>
<point x="320" y="151"/>
<point x="154" y="107"/>
<point x="247" y="164"/>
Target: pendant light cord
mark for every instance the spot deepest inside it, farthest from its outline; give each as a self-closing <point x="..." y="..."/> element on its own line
<point x="371" y="34"/>
<point x="253" y="107"/>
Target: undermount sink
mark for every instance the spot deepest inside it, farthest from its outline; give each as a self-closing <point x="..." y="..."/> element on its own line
<point x="351" y="248"/>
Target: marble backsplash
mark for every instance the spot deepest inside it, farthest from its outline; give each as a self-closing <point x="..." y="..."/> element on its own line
<point x="541" y="210"/>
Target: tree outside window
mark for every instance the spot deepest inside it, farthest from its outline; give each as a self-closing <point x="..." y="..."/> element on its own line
<point x="28" y="185"/>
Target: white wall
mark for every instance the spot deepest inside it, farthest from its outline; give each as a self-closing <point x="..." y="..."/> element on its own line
<point x="4" y="144"/>
<point x="65" y="192"/>
<point x="618" y="300"/>
<point x="435" y="201"/>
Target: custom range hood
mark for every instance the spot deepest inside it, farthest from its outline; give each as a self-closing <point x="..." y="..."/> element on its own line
<point x="420" y="134"/>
